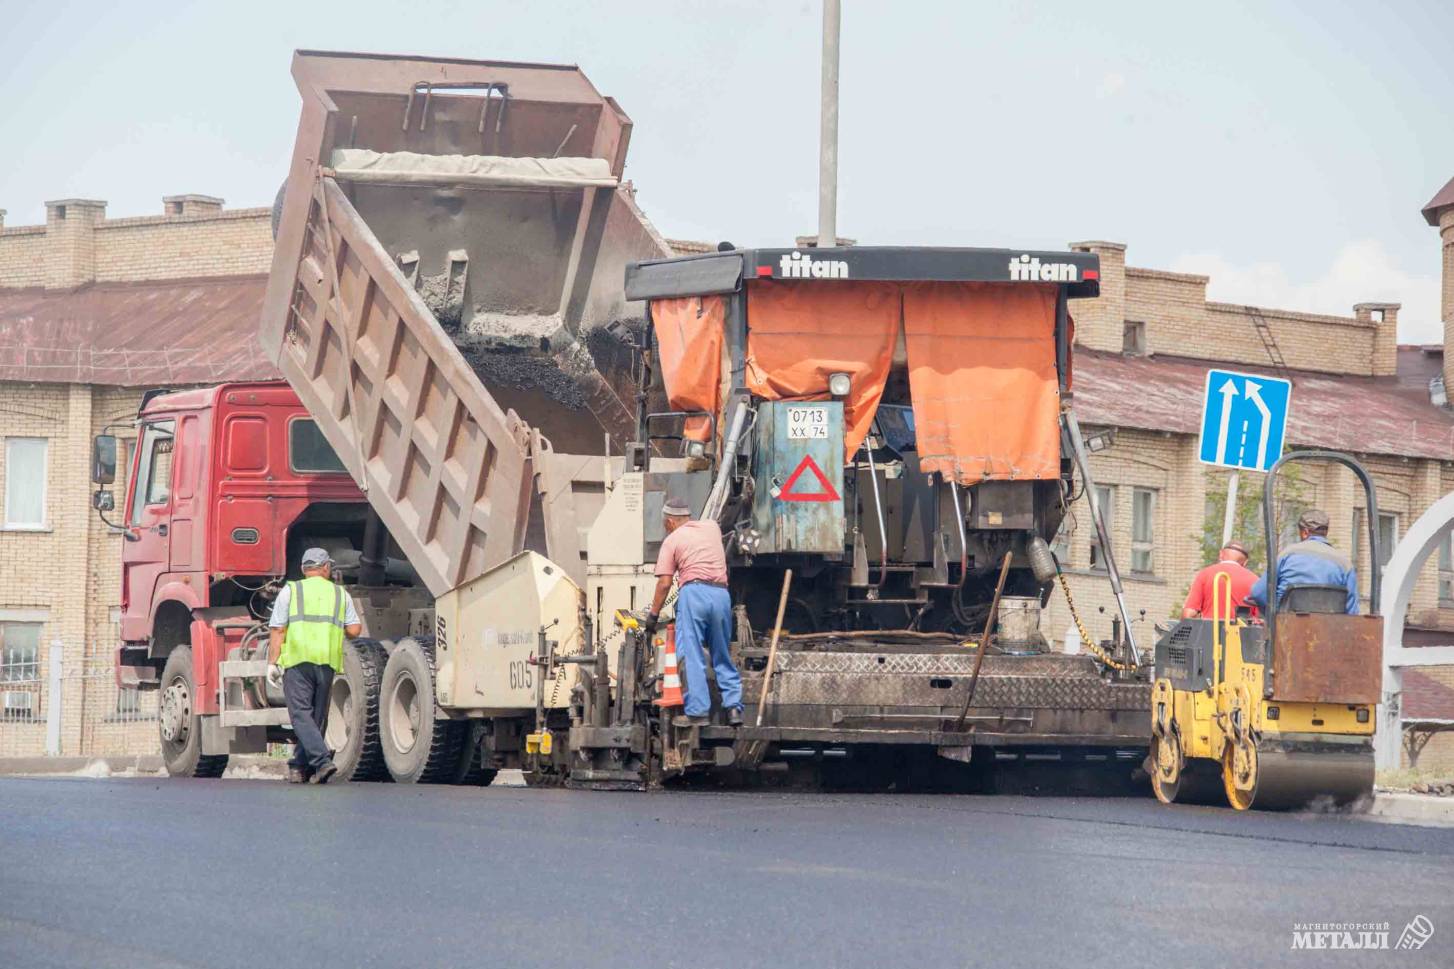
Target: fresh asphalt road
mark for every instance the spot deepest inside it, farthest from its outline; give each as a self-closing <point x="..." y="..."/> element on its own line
<point x="254" y="874"/>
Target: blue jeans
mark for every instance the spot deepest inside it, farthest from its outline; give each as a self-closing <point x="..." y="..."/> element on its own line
<point x="704" y="620"/>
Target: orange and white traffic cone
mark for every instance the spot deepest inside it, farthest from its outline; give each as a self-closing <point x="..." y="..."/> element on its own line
<point x="671" y="681"/>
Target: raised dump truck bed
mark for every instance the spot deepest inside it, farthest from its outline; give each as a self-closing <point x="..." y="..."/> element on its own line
<point x="450" y="251"/>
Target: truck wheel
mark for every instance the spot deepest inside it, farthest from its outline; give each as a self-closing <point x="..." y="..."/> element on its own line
<point x="353" y="713"/>
<point x="180" y="728"/>
<point x="472" y="771"/>
<point x="418" y="749"/>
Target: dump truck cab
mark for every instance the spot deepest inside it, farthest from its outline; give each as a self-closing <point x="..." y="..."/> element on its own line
<point x="227" y="485"/>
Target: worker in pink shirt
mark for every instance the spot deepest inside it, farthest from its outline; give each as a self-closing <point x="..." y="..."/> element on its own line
<point x="1201" y="601"/>
<point x="692" y="554"/>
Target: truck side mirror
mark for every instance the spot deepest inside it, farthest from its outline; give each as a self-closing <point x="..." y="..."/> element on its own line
<point x="103" y="460"/>
<point x="103" y="500"/>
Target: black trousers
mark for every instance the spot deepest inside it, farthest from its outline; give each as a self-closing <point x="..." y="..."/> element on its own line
<point x="305" y="688"/>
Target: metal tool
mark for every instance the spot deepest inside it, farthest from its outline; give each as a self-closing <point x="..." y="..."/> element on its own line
<point x="984" y="642"/>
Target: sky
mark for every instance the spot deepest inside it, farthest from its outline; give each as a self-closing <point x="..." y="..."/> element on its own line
<point x="1285" y="149"/>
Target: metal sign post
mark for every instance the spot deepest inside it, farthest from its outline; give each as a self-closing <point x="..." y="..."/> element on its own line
<point x="1229" y="517"/>
<point x="828" y="134"/>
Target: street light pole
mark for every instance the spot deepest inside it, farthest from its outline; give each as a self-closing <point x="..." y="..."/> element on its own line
<point x="828" y="134"/>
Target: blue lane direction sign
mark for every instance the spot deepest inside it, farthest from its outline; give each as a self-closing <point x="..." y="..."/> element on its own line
<point x="1244" y="420"/>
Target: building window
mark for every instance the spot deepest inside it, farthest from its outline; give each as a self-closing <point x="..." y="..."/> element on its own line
<point x="19" y="669"/>
<point x="1446" y="570"/>
<point x="1133" y="338"/>
<point x="128" y="704"/>
<point x="1061" y="545"/>
<point x="1106" y="500"/>
<point x="1387" y="536"/>
<point x="1143" y="530"/>
<point x="25" y="474"/>
<point x="19" y="652"/>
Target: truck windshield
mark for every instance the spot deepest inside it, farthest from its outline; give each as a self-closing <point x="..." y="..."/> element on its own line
<point x="153" y="469"/>
<point x="308" y="452"/>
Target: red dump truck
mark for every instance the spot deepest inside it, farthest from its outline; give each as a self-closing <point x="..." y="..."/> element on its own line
<point x="500" y="374"/>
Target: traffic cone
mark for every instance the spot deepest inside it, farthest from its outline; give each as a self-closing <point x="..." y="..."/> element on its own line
<point x="671" y="681"/>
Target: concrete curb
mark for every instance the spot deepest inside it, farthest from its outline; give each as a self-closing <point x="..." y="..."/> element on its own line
<point x="1408" y="808"/>
<point x="245" y="765"/>
<point x="138" y="763"/>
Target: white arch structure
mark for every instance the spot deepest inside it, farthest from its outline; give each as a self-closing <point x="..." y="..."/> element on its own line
<point x="1399" y="576"/>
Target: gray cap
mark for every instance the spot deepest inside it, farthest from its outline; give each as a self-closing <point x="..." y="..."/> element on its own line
<point x="1313" y="519"/>
<point x="676" y="508"/>
<point x="314" y="557"/>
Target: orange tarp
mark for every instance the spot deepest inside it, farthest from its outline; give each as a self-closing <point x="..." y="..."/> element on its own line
<point x="689" y="335"/>
<point x="801" y="332"/>
<point x="982" y="377"/>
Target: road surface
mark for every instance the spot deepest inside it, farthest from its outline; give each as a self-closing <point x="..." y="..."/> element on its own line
<point x="256" y="874"/>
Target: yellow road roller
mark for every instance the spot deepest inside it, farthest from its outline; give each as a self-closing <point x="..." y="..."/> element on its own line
<point x="1276" y="714"/>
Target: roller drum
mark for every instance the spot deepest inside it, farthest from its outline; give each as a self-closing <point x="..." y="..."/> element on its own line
<point x="1294" y="774"/>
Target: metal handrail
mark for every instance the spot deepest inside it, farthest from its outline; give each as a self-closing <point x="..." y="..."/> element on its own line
<point x="1269" y="522"/>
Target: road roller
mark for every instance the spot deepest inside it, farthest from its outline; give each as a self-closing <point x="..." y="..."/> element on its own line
<point x="1277" y="712"/>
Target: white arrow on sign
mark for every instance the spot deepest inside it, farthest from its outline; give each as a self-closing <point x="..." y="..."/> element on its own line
<point x="1254" y="395"/>
<point x="1228" y="391"/>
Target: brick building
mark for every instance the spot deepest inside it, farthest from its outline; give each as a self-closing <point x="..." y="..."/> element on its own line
<point x="94" y="311"/>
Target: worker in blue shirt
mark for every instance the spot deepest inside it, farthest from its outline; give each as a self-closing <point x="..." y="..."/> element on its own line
<point x="1311" y="561"/>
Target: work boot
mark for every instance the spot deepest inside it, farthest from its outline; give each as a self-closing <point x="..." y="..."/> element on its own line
<point x="683" y="720"/>
<point x="297" y="775"/>
<point x="325" y="773"/>
<point x="734" y="717"/>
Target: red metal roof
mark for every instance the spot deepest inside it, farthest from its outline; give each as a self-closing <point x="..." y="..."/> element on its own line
<point x="1442" y="200"/>
<point x="1372" y="415"/>
<point x="144" y="334"/>
<point x="1425" y="698"/>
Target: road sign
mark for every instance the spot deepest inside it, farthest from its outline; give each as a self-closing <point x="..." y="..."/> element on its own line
<point x="825" y="492"/>
<point x="1244" y="420"/>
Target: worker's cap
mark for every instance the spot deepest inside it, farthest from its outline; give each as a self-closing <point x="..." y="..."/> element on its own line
<point x="676" y="508"/>
<point x="1313" y="519"/>
<point x="1236" y="547"/>
<point x="314" y="557"/>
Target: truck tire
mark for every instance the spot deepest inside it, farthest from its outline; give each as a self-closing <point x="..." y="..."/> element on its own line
<point x="179" y="726"/>
<point x="418" y="749"/>
<point x="471" y="770"/>
<point x="353" y="713"/>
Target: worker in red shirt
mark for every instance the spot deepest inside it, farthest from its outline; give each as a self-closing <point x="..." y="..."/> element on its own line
<point x="692" y="554"/>
<point x="1201" y="601"/>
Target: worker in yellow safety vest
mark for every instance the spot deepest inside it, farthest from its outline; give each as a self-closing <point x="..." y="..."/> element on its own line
<point x="305" y="649"/>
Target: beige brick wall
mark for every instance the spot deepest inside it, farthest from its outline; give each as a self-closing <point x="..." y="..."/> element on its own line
<point x="227" y="244"/>
<point x="22" y="260"/>
<point x="79" y="245"/>
<point x="1180" y="322"/>
<point x="68" y="574"/>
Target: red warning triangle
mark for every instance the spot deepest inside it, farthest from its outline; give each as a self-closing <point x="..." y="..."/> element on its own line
<point x="826" y="490"/>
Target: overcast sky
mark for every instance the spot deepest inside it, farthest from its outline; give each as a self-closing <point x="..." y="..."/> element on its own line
<point x="1283" y="148"/>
